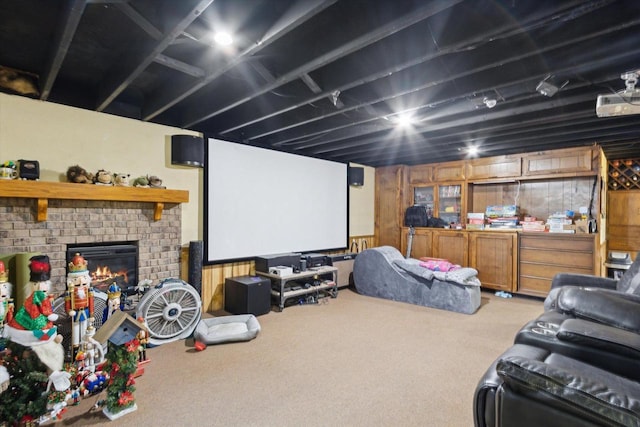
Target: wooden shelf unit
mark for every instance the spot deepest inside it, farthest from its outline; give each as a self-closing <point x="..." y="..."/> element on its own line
<point x="43" y="191"/>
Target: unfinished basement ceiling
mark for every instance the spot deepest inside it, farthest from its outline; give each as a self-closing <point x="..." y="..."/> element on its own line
<point x="332" y="78"/>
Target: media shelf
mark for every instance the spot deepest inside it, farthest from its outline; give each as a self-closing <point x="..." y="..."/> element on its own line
<point x="323" y="280"/>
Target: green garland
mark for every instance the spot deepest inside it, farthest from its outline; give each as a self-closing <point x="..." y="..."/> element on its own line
<point x="121" y="364"/>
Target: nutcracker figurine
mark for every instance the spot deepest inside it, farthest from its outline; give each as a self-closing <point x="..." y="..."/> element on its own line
<point x="114" y="301"/>
<point x="78" y="299"/>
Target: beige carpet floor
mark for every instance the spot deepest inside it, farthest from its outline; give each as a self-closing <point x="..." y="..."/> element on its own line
<point x="352" y="361"/>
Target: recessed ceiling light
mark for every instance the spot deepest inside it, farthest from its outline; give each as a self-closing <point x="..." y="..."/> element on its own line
<point x="405" y="120"/>
<point x="223" y="39"/>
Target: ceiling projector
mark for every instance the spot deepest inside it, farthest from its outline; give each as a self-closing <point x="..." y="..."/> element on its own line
<point x="623" y="103"/>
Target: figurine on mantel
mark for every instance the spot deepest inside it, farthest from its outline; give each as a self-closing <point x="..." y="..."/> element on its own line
<point x="121" y="179"/>
<point x="78" y="175"/>
<point x="149" y="181"/>
<point x="103" y="177"/>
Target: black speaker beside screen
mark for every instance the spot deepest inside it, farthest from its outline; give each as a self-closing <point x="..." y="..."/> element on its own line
<point x="356" y="176"/>
<point x="187" y="150"/>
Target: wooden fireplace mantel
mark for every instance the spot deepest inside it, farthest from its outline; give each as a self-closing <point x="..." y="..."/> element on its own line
<point x="43" y="191"/>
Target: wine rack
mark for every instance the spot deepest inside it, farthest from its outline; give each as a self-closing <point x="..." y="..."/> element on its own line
<point x="624" y="174"/>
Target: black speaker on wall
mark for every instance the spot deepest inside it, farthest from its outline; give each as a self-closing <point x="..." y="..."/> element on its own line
<point x="356" y="176"/>
<point x="187" y="150"/>
<point x="194" y="277"/>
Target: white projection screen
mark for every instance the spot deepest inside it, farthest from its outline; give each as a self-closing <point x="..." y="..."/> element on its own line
<point x="262" y="202"/>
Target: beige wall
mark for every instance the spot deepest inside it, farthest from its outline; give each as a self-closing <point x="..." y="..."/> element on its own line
<point x="361" y="204"/>
<point x="59" y="136"/>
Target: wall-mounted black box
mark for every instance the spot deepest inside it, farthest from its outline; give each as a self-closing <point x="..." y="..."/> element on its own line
<point x="247" y="295"/>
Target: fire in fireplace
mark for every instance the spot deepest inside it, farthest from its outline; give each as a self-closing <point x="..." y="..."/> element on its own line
<point x="109" y="263"/>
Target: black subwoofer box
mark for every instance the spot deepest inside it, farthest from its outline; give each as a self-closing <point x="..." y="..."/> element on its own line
<point x="247" y="295"/>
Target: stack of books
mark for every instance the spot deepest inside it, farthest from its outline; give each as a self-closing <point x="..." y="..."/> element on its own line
<point x="560" y="223"/>
<point x="475" y="221"/>
<point x="530" y="223"/>
<point x="503" y="216"/>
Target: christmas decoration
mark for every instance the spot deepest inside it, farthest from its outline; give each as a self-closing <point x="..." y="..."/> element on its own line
<point x="33" y="324"/>
<point x="79" y="300"/>
<point x="25" y="398"/>
<point x="121" y="365"/>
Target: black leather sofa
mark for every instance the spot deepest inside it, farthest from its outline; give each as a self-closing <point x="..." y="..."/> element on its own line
<point x="577" y="364"/>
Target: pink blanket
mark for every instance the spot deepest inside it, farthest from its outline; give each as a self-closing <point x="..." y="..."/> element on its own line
<point x="436" y="264"/>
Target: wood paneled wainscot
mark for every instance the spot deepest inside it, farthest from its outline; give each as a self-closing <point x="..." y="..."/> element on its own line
<point x="493" y="255"/>
<point x="543" y="255"/>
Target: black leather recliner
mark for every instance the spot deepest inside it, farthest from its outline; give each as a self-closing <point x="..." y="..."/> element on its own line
<point x="576" y="364"/>
<point x="629" y="283"/>
<point x="528" y="386"/>
<point x="599" y="327"/>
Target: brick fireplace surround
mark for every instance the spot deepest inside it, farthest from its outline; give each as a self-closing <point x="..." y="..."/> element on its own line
<point x="93" y="221"/>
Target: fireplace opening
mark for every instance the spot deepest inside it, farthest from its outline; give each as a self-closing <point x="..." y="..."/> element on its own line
<point x="108" y="263"/>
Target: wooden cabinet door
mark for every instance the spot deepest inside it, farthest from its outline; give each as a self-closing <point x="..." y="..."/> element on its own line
<point x="494" y="167"/>
<point x="422" y="242"/>
<point x="571" y="161"/>
<point x="421" y="174"/>
<point x="389" y="202"/>
<point x="492" y="254"/>
<point x="450" y="171"/>
<point x="623" y="220"/>
<point x="451" y="245"/>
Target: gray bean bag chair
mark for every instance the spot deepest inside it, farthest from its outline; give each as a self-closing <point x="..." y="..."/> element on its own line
<point x="216" y="330"/>
<point x="384" y="273"/>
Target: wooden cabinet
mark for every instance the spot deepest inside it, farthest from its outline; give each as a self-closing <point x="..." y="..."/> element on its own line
<point x="442" y="201"/>
<point x="494" y="168"/>
<point x="493" y="255"/>
<point x="420" y="174"/>
<point x="451" y="245"/>
<point x="623" y="220"/>
<point x="450" y="171"/>
<point x="389" y="212"/>
<point x="543" y="255"/>
<point x="566" y="162"/>
<point x="422" y="242"/>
